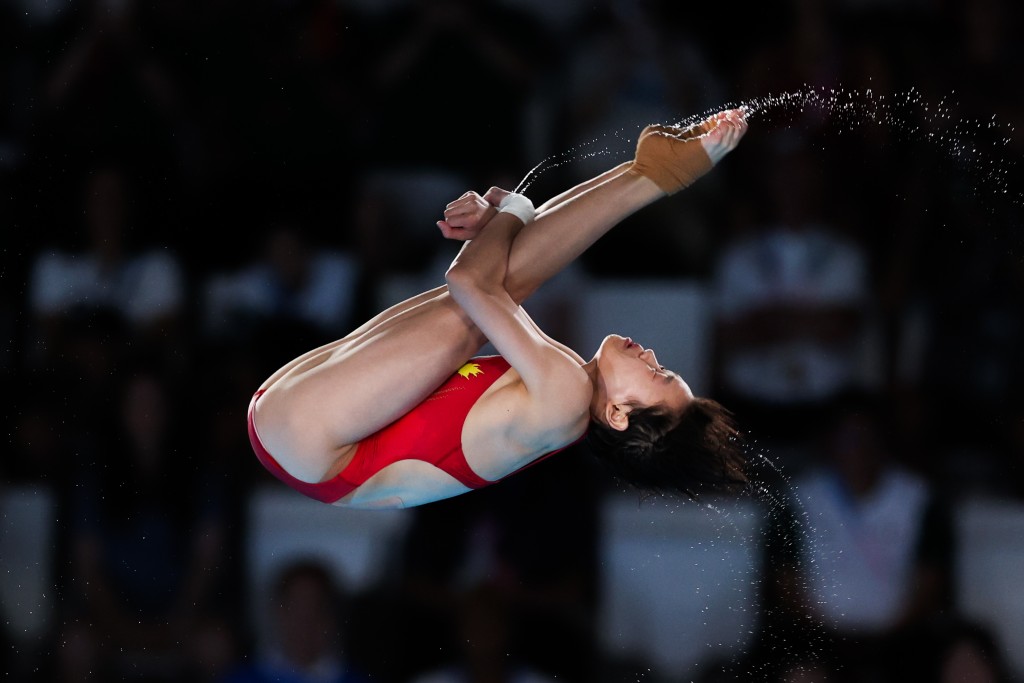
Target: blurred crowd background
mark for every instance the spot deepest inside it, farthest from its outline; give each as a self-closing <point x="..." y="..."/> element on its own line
<point x="196" y="192"/>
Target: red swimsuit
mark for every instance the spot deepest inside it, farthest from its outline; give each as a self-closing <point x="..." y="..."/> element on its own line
<point x="432" y="432"/>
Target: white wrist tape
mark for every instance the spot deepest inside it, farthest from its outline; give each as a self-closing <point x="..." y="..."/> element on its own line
<point x="519" y="205"/>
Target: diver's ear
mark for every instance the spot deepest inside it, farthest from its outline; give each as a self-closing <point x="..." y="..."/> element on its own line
<point x="617" y="415"/>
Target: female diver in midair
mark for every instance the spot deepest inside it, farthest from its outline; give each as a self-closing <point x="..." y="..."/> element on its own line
<point x="400" y="413"/>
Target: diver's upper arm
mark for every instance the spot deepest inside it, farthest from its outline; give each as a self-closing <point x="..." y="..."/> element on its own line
<point x="508" y="328"/>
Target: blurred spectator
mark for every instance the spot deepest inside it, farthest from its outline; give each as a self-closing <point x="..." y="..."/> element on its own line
<point x="211" y="648"/>
<point x="988" y="33"/>
<point x="109" y="90"/>
<point x="483" y="629"/>
<point x="146" y="536"/>
<point x="111" y="272"/>
<point x="292" y="288"/>
<point x="282" y="89"/>
<point x="456" y="70"/>
<point x="309" y="617"/>
<point x="17" y="67"/>
<point x="974" y="310"/>
<point x="38" y="441"/>
<point x="396" y="238"/>
<point x="223" y="377"/>
<point x="948" y="650"/>
<point x="633" y="64"/>
<point x="793" y="296"/>
<point x="451" y="98"/>
<point x="968" y="651"/>
<point x="787" y="49"/>
<point x="859" y="554"/>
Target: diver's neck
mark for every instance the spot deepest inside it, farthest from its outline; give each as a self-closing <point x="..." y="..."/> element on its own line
<point x="596" y="382"/>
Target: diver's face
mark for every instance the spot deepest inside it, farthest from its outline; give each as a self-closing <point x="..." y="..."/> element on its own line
<point x="631" y="375"/>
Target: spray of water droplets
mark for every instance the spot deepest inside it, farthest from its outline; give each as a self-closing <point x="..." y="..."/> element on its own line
<point x="975" y="147"/>
<point x="735" y="555"/>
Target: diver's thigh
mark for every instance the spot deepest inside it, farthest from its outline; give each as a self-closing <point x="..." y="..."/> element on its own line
<point x="354" y="388"/>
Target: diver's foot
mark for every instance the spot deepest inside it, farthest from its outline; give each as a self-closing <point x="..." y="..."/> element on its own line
<point x="673" y="157"/>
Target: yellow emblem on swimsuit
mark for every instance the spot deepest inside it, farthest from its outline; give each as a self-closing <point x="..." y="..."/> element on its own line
<point x="470" y="370"/>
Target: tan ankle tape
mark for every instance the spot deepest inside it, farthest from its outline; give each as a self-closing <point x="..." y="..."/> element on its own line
<point x="672" y="158"/>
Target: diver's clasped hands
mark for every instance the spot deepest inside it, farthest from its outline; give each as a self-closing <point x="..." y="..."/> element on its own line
<point x="466" y="216"/>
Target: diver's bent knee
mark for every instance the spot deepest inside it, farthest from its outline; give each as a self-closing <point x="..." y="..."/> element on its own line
<point x="294" y="439"/>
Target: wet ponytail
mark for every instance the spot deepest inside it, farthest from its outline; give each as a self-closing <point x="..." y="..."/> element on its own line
<point x="697" y="452"/>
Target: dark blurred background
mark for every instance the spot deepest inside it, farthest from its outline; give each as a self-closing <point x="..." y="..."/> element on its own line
<point x="195" y="192"/>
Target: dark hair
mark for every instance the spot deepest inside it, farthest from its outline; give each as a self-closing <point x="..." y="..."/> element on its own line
<point x="698" y="451"/>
